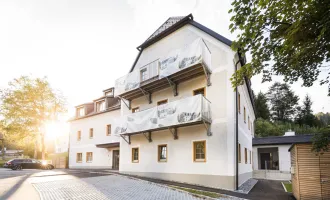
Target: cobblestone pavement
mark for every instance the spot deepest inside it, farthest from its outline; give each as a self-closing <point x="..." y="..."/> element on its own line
<point x="107" y="187"/>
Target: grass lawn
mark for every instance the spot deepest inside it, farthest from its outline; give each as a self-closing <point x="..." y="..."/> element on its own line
<point x="288" y="186"/>
<point x="200" y="192"/>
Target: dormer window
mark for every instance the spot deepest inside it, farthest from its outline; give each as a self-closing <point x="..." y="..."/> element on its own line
<point x="100" y="106"/>
<point x="109" y="93"/>
<point x="80" y="111"/>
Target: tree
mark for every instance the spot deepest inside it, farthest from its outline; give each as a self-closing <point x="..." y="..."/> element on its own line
<point x="27" y="106"/>
<point x="321" y="141"/>
<point x="305" y="114"/>
<point x="283" y="102"/>
<point x="265" y="128"/>
<point x="262" y="110"/>
<point x="289" y="38"/>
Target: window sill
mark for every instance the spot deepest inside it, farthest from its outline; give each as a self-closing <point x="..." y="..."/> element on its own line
<point x="89" y="161"/>
<point x="199" y="161"/>
<point x="90" y="138"/>
<point x="162" y="161"/>
<point x="79" y="162"/>
<point x="135" y="161"/>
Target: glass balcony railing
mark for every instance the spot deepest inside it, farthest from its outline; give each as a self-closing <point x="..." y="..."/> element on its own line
<point x="190" y="110"/>
<point x="177" y="60"/>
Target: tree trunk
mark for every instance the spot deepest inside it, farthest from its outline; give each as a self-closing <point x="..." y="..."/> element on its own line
<point x="35" y="148"/>
<point x="43" y="146"/>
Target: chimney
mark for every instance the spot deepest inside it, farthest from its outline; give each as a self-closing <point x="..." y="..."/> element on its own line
<point x="289" y="133"/>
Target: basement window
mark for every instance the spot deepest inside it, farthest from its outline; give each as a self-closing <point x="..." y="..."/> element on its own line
<point x="89" y="157"/>
<point x="79" y="157"/>
<point x="162" y="153"/>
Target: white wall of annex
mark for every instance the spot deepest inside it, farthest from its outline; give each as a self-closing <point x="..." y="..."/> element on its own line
<point x="101" y="157"/>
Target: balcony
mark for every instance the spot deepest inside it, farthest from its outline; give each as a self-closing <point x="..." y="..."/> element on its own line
<point x="178" y="66"/>
<point x="184" y="112"/>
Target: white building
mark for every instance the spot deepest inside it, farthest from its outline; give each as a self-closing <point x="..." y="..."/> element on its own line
<point x="91" y="143"/>
<point x="271" y="156"/>
<point x="178" y="111"/>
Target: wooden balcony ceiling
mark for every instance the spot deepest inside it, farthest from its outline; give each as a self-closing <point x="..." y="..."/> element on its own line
<point x="155" y="84"/>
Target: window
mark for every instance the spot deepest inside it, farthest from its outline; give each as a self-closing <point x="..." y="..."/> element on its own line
<point x="239" y="153"/>
<point x="144" y="74"/>
<point x="245" y="155"/>
<point x="80" y="112"/>
<point x="135" y="155"/>
<point x="249" y="124"/>
<point x="239" y="103"/>
<point x="109" y="93"/>
<point x="91" y="133"/>
<point x="79" y="157"/>
<point x="79" y="135"/>
<point x="244" y="115"/>
<point x="134" y="110"/>
<point x="162" y="102"/>
<point x="250" y="157"/>
<point x="89" y="157"/>
<point x="200" y="151"/>
<point x="100" y="106"/>
<point x="199" y="91"/>
<point x="162" y="153"/>
<point x="108" y="130"/>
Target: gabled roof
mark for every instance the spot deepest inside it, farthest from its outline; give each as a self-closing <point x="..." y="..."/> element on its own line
<point x="280" y="140"/>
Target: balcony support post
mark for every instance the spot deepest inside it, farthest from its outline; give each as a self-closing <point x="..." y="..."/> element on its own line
<point x="208" y="128"/>
<point x="174" y="133"/>
<point x="128" y="140"/>
<point x="128" y="105"/>
<point x="174" y="86"/>
<point x="207" y="75"/>
<point x="148" y="136"/>
<point x="147" y="95"/>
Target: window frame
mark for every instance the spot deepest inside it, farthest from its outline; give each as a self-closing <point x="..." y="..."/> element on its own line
<point x="108" y="131"/>
<point x="98" y="105"/>
<point x="198" y="89"/>
<point x="91" y="133"/>
<point x="250" y="156"/>
<point x="79" y="161"/>
<point x="87" y="161"/>
<point x="244" y="114"/>
<point x="159" y="152"/>
<point x="249" y="123"/>
<point x="134" y="109"/>
<point x="245" y="156"/>
<point x="239" y="102"/>
<point x="78" y="135"/>
<point x="138" y="159"/>
<point x="194" y="151"/>
<point x="239" y="153"/>
<point x="82" y="108"/>
<point x="142" y="71"/>
<point x="161" y="102"/>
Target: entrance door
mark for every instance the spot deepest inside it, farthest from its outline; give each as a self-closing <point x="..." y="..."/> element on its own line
<point x="265" y="158"/>
<point x="115" y="159"/>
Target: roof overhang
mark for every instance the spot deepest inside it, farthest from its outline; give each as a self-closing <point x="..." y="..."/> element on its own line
<point x="108" y="145"/>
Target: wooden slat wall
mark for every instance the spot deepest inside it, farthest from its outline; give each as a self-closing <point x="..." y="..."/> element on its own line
<point x="310" y="169"/>
<point x="325" y="174"/>
<point x="308" y="173"/>
<point x="294" y="177"/>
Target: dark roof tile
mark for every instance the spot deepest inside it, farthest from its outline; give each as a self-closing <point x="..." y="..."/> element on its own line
<point x="282" y="140"/>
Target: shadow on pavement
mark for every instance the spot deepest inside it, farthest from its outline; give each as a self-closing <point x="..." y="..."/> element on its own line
<point x="13" y="189"/>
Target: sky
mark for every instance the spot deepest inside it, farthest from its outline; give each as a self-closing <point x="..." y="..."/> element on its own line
<point x="82" y="46"/>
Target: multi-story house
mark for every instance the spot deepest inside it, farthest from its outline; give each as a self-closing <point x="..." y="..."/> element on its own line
<point x="90" y="134"/>
<point x="180" y="118"/>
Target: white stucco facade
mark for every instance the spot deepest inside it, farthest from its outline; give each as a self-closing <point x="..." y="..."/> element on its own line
<point x="218" y="169"/>
<point x="102" y="157"/>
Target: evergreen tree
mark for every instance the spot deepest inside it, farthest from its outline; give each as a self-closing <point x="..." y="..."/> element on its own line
<point x="283" y="102"/>
<point x="262" y="110"/>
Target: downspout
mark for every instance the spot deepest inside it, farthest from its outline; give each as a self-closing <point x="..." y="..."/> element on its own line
<point x="236" y="92"/>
